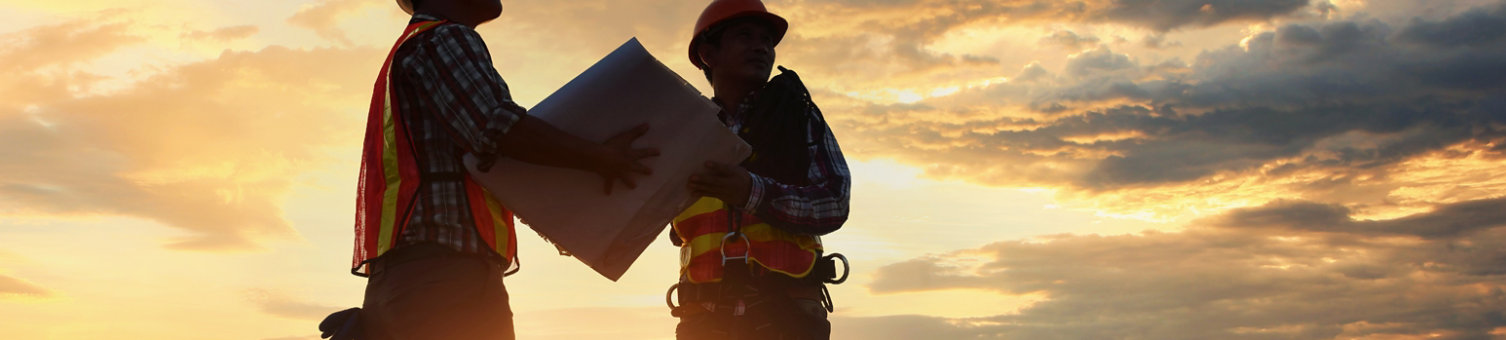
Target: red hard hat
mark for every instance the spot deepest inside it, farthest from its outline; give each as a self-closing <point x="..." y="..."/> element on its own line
<point x="722" y="10"/>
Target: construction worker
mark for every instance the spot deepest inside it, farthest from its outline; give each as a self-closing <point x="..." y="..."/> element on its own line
<point x="751" y="255"/>
<point x="435" y="245"/>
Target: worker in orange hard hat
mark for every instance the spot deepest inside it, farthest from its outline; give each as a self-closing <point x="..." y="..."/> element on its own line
<point x="433" y="244"/>
<point x="752" y="264"/>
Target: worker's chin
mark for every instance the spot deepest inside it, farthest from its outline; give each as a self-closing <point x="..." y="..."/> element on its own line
<point x="758" y="72"/>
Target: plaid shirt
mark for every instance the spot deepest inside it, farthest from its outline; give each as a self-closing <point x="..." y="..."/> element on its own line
<point x="454" y="102"/>
<point x="818" y="208"/>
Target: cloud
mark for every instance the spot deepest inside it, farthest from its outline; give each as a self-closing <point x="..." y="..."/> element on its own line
<point x="14" y="287"/>
<point x="1288" y="271"/>
<point x="1449" y="221"/>
<point x="223" y="34"/>
<point x="1070" y="40"/>
<point x="1158" y="41"/>
<point x="199" y="147"/>
<point x="1476" y="27"/>
<point x="324" y="17"/>
<point x="1156" y="15"/>
<point x="1168" y="15"/>
<point x="284" y="306"/>
<point x="1323" y="101"/>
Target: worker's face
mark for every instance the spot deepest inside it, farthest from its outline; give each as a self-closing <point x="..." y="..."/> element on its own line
<point x="746" y="53"/>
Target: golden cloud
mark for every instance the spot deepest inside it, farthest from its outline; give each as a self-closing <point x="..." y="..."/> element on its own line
<point x="208" y="147"/>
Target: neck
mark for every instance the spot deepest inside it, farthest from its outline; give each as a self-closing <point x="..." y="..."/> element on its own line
<point x="730" y="94"/>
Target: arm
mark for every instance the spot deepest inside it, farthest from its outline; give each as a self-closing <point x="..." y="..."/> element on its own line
<point x="455" y="70"/>
<point x="818" y="208"/>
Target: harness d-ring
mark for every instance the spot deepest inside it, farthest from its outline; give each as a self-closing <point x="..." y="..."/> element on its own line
<point x="746" y="250"/>
<point x="846" y="268"/>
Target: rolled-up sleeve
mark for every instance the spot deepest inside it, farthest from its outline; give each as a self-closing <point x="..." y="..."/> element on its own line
<point x="453" y="68"/>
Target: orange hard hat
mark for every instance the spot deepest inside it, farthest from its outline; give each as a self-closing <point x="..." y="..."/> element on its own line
<point x="406" y="5"/>
<point x="722" y="10"/>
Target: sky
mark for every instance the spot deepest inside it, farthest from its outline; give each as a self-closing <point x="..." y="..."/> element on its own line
<point x="1022" y="169"/>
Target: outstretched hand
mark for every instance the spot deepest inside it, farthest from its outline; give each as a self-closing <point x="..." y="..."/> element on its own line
<point x="727" y="182"/>
<point x="622" y="162"/>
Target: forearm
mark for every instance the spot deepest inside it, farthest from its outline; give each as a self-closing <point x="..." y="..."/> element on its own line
<point x="815" y="209"/>
<point x="535" y="141"/>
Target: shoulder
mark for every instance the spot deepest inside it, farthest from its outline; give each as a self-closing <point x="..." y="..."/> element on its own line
<point x="450" y="33"/>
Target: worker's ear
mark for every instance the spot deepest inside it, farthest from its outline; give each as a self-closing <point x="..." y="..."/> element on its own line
<point x="707" y="53"/>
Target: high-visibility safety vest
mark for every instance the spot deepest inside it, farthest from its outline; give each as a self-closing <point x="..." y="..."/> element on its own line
<point x="704" y="225"/>
<point x="390" y="179"/>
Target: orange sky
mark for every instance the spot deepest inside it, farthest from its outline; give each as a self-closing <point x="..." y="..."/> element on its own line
<point x="1202" y="169"/>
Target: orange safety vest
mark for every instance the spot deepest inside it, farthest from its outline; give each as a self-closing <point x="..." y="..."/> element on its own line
<point x="703" y="226"/>
<point x="389" y="179"/>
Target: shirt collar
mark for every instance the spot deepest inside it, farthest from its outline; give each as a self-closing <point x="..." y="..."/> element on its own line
<point x="738" y="112"/>
<point x="421" y="17"/>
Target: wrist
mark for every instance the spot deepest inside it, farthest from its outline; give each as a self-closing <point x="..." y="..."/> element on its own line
<point x="755" y="192"/>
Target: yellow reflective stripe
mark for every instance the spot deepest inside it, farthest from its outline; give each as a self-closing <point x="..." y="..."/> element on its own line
<point x="389" y="156"/>
<point x="757" y="233"/>
<point x="700" y="245"/>
<point x="705" y="205"/>
<point x="762" y="232"/>
<point x="501" y="230"/>
<point x="389" y="169"/>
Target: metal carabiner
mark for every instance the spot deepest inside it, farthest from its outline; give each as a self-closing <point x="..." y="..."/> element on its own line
<point x="747" y="249"/>
<point x="846" y="268"/>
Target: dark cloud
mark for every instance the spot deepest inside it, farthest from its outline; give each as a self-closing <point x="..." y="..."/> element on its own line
<point x="1476" y="27"/>
<point x="1448" y="221"/>
<point x="1160" y="15"/>
<point x="1288" y="271"/>
<point x="1168" y="15"/>
<point x="10" y="286"/>
<point x="890" y="41"/>
<point x="1342" y="96"/>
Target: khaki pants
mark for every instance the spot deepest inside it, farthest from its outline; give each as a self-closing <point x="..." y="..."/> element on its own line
<point x="430" y="292"/>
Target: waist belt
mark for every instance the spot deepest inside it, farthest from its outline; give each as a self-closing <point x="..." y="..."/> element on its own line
<point x="421" y="251"/>
<point x="696" y="298"/>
